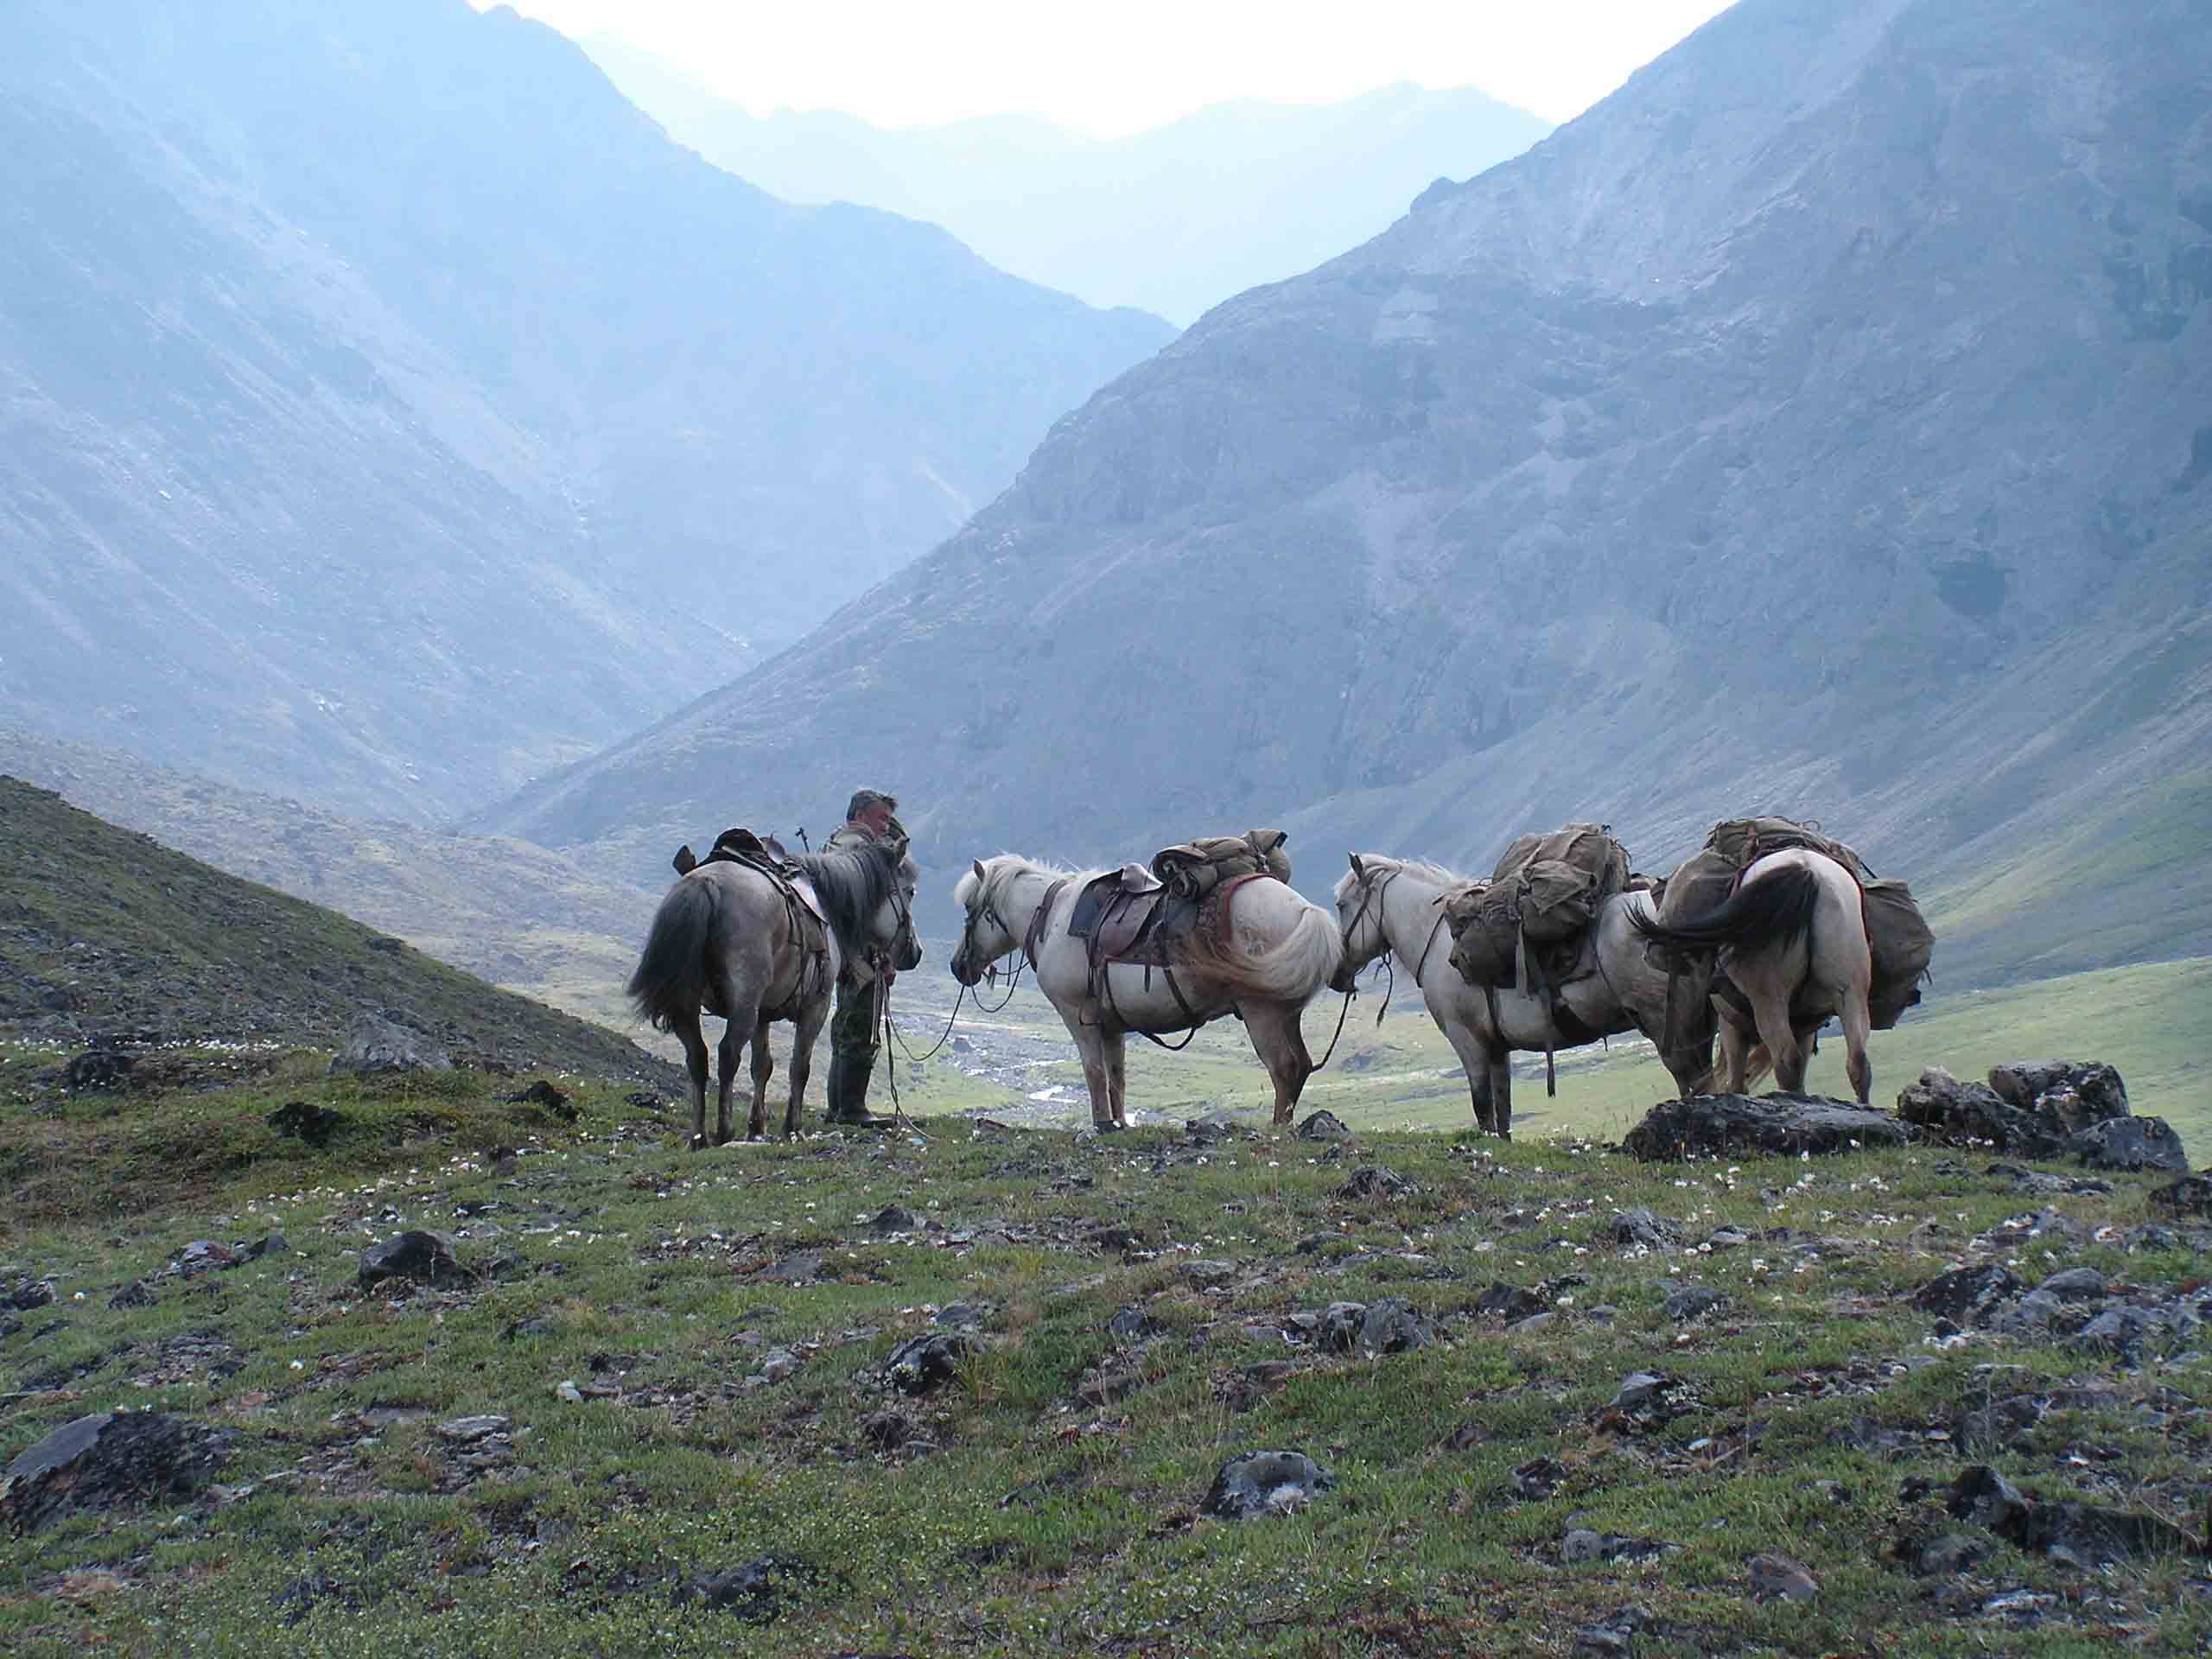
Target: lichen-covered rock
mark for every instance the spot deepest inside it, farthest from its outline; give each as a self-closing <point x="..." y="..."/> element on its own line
<point x="1725" y="1125"/>
<point x="109" y="1460"/>
<point x="1266" y="1483"/>
<point x="415" y="1255"/>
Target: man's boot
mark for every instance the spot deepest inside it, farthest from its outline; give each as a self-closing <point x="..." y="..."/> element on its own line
<point x="848" y="1079"/>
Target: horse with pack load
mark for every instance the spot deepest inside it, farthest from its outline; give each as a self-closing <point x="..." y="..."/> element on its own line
<point x="1203" y="929"/>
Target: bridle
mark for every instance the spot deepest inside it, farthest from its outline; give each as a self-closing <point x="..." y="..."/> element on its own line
<point x="1371" y="892"/>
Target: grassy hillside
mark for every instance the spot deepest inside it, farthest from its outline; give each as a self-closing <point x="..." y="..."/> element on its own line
<point x="653" y="1414"/>
<point x="504" y="911"/>
<point x="105" y="933"/>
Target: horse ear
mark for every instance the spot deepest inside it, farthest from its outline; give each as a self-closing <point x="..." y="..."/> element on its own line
<point x="978" y="867"/>
<point x="1357" y="869"/>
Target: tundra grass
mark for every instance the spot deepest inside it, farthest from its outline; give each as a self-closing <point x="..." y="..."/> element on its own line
<point x="1048" y="1497"/>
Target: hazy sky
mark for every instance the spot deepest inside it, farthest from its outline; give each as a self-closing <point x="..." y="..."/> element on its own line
<point x="1117" y="67"/>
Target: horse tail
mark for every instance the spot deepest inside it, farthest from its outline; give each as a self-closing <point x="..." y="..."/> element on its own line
<point x="1775" y="908"/>
<point x="1293" y="969"/>
<point x="670" y="980"/>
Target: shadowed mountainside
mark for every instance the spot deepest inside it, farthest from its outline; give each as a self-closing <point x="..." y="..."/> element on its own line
<point x="107" y="933"/>
<point x="1817" y="425"/>
<point x="391" y="411"/>
<point x="1175" y="218"/>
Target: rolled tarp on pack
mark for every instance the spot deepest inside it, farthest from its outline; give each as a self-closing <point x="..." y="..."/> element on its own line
<point x="1192" y="869"/>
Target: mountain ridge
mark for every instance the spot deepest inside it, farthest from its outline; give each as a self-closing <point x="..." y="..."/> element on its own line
<point x="1173" y="218"/>
<point x="394" y="412"/>
<point x="1858" y="484"/>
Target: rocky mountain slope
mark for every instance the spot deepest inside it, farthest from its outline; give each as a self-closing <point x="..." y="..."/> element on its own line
<point x="1174" y="220"/>
<point x="108" y="936"/>
<point x="392" y="411"/>
<point x="505" y="911"/>
<point x="1816" y="425"/>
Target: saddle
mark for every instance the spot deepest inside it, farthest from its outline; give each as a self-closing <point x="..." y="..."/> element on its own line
<point x="1130" y="916"/>
<point x="767" y="856"/>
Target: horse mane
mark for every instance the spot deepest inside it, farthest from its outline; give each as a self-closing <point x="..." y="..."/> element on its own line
<point x="1415" y="867"/>
<point x="853" y="884"/>
<point x="999" y="871"/>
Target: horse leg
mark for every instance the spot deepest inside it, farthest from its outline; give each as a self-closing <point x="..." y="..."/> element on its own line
<point x="1114" y="1045"/>
<point x="1272" y="1027"/>
<point x="1474" y="1060"/>
<point x="1770" y="1008"/>
<point x="764" y="1067"/>
<point x="1857" y="1021"/>
<point x="812" y="1017"/>
<point x="1091" y="1046"/>
<point x="727" y="1050"/>
<point x="1501" y="1093"/>
<point x="686" y="1026"/>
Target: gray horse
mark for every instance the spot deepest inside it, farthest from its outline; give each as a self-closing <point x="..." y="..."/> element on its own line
<point x="1395" y="906"/>
<point x="729" y="940"/>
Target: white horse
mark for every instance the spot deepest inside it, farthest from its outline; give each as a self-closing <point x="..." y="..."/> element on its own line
<point x="1793" y="953"/>
<point x="1395" y="905"/>
<point x="1280" y="951"/>
<point x="729" y="940"/>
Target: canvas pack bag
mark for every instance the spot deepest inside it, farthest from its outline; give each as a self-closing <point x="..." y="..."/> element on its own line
<point x="1194" y="869"/>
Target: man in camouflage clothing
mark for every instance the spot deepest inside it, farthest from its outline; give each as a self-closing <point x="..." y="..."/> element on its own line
<point x="855" y="1029"/>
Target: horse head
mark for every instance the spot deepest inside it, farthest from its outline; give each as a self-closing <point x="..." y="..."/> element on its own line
<point x="984" y="937"/>
<point x="1359" y="920"/>
<point x="894" y="917"/>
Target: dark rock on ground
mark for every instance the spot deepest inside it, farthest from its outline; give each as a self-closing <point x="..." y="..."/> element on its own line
<point x="756" y="1592"/>
<point x="926" y="1364"/>
<point x="379" y="1047"/>
<point x="137" y="1293"/>
<point x="415" y="1255"/>
<point x="1323" y="1126"/>
<point x="1538" y="1479"/>
<point x="1266" y="1483"/>
<point x="298" y="1599"/>
<point x="1392" y="1326"/>
<point x="2074" y="1285"/>
<point x="1132" y="1324"/>
<point x="892" y="1219"/>
<point x="1777" y="1578"/>
<point x="1643" y="1391"/>
<point x="1612" y="1637"/>
<point x="2033" y="1315"/>
<point x="1508" y="1302"/>
<point x="1374" y="1181"/>
<point x="29" y="1294"/>
<point x="2129" y="1143"/>
<point x="800" y="1268"/>
<point x="1641" y="1226"/>
<point x="2039" y="1185"/>
<point x="314" y="1124"/>
<point x="1581" y="1544"/>
<point x="1967" y="1295"/>
<point x="2189" y="1196"/>
<point x="544" y="1094"/>
<point x="269" y="1245"/>
<point x="886" y="1430"/>
<point x="2052" y="1084"/>
<point x="1692" y="1302"/>
<point x="203" y="1256"/>
<point x="2081" y="1534"/>
<point x="1944" y="1555"/>
<point x="109" y="1460"/>
<point x="2049" y="1109"/>
<point x="960" y="1316"/>
<point x="1213" y="1129"/>
<point x="1337" y="1329"/>
<point x="99" y="1072"/>
<point x="1724" y="1125"/>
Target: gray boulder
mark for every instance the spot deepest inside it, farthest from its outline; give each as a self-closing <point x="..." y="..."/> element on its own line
<point x="1719" y="1126"/>
<point x="1266" y="1483"/>
<point x="380" y="1048"/>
